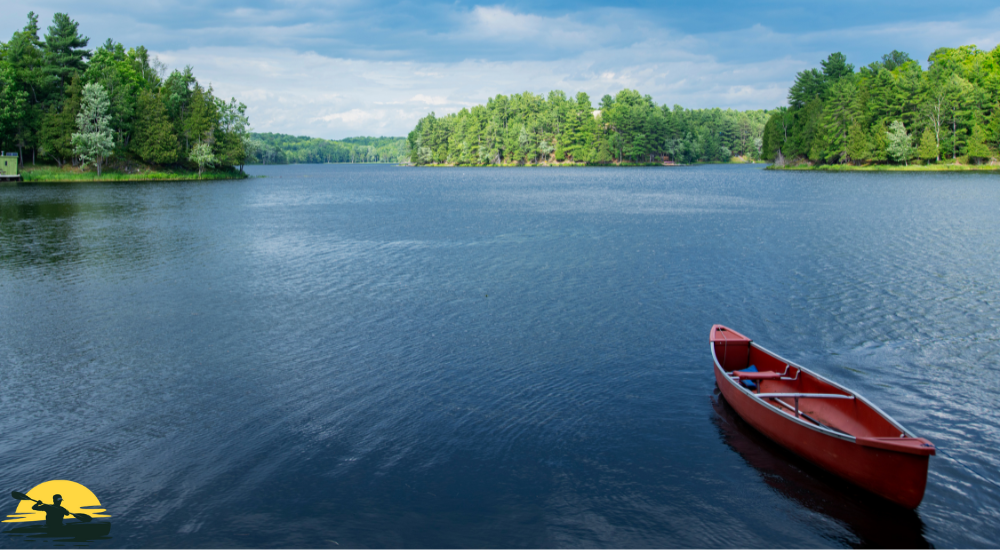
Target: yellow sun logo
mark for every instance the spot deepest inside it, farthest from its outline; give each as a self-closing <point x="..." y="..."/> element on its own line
<point x="77" y="499"/>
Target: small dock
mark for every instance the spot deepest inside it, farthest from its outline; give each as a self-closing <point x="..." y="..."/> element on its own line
<point x="4" y="178"/>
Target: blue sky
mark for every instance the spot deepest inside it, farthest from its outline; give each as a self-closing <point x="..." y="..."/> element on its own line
<point x="343" y="68"/>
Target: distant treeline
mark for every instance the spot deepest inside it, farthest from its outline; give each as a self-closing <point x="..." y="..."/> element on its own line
<point x="892" y="111"/>
<point x="286" y="149"/>
<point x="627" y="128"/>
<point x="63" y="103"/>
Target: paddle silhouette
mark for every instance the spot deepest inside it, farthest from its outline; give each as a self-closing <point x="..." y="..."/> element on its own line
<point x="39" y="505"/>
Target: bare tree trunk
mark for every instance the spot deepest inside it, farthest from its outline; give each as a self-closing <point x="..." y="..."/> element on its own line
<point x="954" y="139"/>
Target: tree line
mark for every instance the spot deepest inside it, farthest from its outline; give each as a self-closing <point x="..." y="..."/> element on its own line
<point x="891" y="111"/>
<point x="626" y="128"/>
<point x="63" y="103"/>
<point x="285" y="149"/>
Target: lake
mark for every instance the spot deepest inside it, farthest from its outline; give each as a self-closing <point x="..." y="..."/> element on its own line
<point x="378" y="356"/>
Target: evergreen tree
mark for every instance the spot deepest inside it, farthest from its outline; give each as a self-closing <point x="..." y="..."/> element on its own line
<point x="978" y="151"/>
<point x="200" y="122"/>
<point x="838" y="115"/>
<point x="858" y="148"/>
<point x="59" y="124"/>
<point x="13" y="101"/>
<point x="154" y="141"/>
<point x="24" y="55"/>
<point x="176" y="95"/>
<point x="878" y="143"/>
<point x="928" y="149"/>
<point x="836" y="67"/>
<point x="65" y="49"/>
<point x="94" y="141"/>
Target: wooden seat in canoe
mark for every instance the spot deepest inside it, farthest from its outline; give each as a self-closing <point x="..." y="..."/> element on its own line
<point x="743" y="375"/>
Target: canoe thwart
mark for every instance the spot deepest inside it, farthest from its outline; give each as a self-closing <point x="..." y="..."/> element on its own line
<point x="813" y="395"/>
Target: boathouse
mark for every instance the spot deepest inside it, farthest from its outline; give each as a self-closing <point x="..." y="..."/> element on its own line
<point x="8" y="167"/>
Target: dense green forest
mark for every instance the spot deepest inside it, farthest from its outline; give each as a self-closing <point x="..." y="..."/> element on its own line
<point x="627" y="128"/>
<point x="891" y="111"/>
<point x="285" y="149"/>
<point x="62" y="103"/>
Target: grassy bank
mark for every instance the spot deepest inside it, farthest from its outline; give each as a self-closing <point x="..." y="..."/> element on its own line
<point x="625" y="164"/>
<point x="73" y="174"/>
<point x="546" y="165"/>
<point x="891" y="168"/>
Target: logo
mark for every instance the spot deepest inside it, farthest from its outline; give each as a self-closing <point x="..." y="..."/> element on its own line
<point x="59" y="509"/>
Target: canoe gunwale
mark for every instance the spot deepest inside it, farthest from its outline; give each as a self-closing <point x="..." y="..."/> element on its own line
<point x="799" y="421"/>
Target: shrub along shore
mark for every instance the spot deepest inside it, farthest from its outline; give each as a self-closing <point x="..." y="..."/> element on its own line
<point x="67" y="174"/>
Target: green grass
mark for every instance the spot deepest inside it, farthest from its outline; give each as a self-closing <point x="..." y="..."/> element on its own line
<point x="42" y="173"/>
<point x="891" y="168"/>
<point x="545" y="165"/>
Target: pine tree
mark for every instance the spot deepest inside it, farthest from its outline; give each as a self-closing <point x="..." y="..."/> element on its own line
<point x="879" y="143"/>
<point x="59" y="124"/>
<point x="13" y="101"/>
<point x="65" y="50"/>
<point x="838" y="114"/>
<point x="200" y="123"/>
<point x="94" y="142"/>
<point x="977" y="148"/>
<point x="154" y="141"/>
<point x="858" y="148"/>
<point x="928" y="149"/>
<point x="23" y="53"/>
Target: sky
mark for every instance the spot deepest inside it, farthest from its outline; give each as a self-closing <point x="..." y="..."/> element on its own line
<point x="341" y="68"/>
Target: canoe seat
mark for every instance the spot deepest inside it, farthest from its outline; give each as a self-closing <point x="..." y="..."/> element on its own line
<point x="742" y="375"/>
<point x="748" y="383"/>
<point x="748" y="375"/>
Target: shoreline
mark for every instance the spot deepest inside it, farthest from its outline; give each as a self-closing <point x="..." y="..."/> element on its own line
<point x="888" y="168"/>
<point x="574" y="165"/>
<point x="53" y="174"/>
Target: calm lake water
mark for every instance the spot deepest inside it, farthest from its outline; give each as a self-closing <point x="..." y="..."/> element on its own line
<point x="375" y="356"/>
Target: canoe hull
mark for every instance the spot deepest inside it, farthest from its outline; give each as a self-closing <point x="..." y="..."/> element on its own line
<point x="900" y="477"/>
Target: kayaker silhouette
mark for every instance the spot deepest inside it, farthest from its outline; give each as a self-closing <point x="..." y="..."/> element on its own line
<point x="54" y="513"/>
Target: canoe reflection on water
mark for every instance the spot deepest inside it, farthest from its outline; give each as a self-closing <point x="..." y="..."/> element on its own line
<point x="876" y="523"/>
<point x="70" y="532"/>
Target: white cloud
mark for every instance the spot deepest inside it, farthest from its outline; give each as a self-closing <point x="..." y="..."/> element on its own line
<point x="601" y="51"/>
<point x="310" y="94"/>
<point x="436" y="100"/>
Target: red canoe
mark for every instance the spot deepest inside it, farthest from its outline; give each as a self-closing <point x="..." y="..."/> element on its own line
<point x="819" y="420"/>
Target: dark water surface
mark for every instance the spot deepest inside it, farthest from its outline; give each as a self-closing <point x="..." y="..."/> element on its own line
<point x="394" y="357"/>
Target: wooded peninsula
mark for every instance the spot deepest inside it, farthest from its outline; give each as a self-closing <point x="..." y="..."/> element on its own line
<point x="628" y="128"/>
<point x="891" y="112"/>
<point x="887" y="114"/>
<point x="112" y="108"/>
